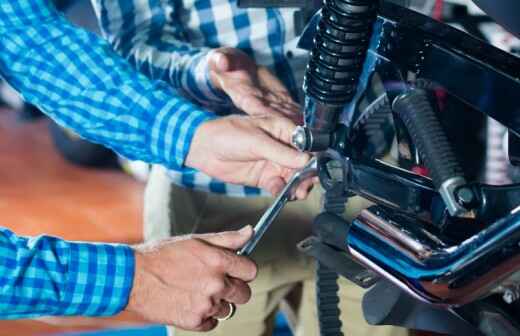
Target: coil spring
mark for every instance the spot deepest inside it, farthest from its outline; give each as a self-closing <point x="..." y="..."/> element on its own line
<point x="340" y="48"/>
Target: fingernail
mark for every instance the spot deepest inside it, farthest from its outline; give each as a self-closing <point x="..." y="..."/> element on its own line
<point x="304" y="157"/>
<point x="222" y="61"/>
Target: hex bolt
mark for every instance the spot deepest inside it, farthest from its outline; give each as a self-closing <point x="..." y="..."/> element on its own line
<point x="300" y="139"/>
<point x="510" y="296"/>
<point x="465" y="196"/>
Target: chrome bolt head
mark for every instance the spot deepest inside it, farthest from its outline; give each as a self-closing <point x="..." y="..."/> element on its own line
<point x="300" y="138"/>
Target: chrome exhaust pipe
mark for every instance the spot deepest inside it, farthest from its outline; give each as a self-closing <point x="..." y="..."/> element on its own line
<point x="406" y="252"/>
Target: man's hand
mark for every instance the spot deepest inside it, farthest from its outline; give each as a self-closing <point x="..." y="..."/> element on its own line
<point x="189" y="281"/>
<point x="249" y="150"/>
<point x="252" y="88"/>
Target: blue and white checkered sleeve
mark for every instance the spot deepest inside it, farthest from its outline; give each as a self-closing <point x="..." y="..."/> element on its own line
<point x="150" y="35"/>
<point x="48" y="276"/>
<point x="78" y="80"/>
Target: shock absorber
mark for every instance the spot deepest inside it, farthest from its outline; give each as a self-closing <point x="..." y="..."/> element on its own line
<point x="335" y="65"/>
<point x="336" y="62"/>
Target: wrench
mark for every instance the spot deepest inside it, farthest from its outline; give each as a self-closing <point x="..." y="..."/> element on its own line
<point x="309" y="170"/>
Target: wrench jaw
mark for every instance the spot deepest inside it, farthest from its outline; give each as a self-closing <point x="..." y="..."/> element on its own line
<point x="269" y="216"/>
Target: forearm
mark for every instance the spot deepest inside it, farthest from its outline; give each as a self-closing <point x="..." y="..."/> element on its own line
<point x="78" y="80"/>
<point x="48" y="276"/>
<point x="150" y="35"/>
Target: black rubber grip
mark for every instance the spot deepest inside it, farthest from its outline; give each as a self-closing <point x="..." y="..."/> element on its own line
<point x="426" y="132"/>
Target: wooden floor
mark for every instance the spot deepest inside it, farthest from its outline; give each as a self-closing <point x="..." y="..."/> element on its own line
<point x="40" y="193"/>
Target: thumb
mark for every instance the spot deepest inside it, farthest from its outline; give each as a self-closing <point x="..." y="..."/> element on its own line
<point x="232" y="240"/>
<point x="275" y="147"/>
<point x="219" y="61"/>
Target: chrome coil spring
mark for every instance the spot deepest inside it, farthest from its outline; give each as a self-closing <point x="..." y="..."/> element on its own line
<point x="340" y="48"/>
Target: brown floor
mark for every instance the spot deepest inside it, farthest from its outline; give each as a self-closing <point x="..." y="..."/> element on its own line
<point x="41" y="193"/>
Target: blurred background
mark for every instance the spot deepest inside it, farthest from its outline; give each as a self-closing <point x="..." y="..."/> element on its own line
<point x="55" y="183"/>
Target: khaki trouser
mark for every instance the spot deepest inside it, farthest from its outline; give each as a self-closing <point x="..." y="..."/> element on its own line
<point x="171" y="210"/>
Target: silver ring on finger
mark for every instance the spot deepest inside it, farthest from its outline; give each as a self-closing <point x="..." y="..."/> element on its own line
<point x="232" y="310"/>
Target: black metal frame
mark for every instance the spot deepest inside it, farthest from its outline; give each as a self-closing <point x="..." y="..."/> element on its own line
<point x="405" y="44"/>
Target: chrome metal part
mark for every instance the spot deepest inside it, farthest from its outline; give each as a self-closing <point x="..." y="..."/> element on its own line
<point x="448" y="193"/>
<point x="306" y="139"/>
<point x="511" y="295"/>
<point x="422" y="263"/>
<point x="301" y="138"/>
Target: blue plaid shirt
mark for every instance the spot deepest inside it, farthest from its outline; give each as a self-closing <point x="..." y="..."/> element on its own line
<point x="78" y="80"/>
<point x="48" y="276"/>
<point x="170" y="39"/>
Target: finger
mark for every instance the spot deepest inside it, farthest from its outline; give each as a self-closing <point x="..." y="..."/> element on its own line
<point x="292" y="113"/>
<point x="303" y="190"/>
<point x="232" y="240"/>
<point x="236" y="291"/>
<point x="279" y="128"/>
<point x="222" y="310"/>
<point x="249" y="99"/>
<point x="283" y="99"/>
<point x="280" y="154"/>
<point x="253" y="105"/>
<point x="207" y="325"/>
<point x="273" y="185"/>
<point x="230" y="264"/>
<point x="283" y="106"/>
<point x="234" y="59"/>
<point x="218" y="61"/>
<point x="256" y="101"/>
<point x="239" y="267"/>
<point x="288" y="110"/>
<point x="270" y="81"/>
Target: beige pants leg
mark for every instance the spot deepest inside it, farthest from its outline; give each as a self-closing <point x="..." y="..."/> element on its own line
<point x="170" y="210"/>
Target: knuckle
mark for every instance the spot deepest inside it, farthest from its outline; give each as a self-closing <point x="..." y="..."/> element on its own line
<point x="217" y="260"/>
<point x="254" y="271"/>
<point x="242" y="293"/>
<point x="195" y="321"/>
<point x="232" y="290"/>
<point x="192" y="321"/>
<point x="205" y="307"/>
<point x="231" y="260"/>
<point x="194" y="244"/>
<point x="212" y="325"/>
<point x="215" y="286"/>
<point x="248" y="294"/>
<point x="251" y="270"/>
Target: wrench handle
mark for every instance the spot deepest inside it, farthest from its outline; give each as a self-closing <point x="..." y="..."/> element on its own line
<point x="279" y="203"/>
<point x="264" y="223"/>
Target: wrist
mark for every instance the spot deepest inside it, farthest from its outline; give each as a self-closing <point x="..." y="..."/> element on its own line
<point x="134" y="298"/>
<point x="198" y="153"/>
<point x="99" y="279"/>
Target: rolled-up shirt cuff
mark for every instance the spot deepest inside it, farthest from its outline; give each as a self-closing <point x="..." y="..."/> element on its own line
<point x="173" y="129"/>
<point x="99" y="279"/>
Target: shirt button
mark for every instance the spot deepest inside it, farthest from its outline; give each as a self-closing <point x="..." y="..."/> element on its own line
<point x="289" y="54"/>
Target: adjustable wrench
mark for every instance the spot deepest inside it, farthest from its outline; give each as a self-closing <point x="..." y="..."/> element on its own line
<point x="308" y="171"/>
